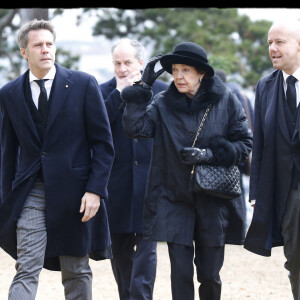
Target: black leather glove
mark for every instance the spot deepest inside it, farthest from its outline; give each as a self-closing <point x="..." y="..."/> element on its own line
<point x="149" y="75"/>
<point x="194" y="156"/>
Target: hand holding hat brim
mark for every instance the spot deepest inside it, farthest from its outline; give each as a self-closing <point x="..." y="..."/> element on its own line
<point x="149" y="75"/>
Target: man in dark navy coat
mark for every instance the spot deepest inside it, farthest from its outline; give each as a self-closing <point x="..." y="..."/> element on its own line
<point x="134" y="259"/>
<point x="56" y="157"/>
<point x="275" y="170"/>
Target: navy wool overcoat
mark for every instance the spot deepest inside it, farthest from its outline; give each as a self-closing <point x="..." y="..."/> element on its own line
<point x="129" y="173"/>
<point x="269" y="181"/>
<point x="76" y="156"/>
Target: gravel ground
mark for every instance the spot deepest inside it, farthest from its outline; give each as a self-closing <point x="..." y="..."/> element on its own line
<point x="244" y="276"/>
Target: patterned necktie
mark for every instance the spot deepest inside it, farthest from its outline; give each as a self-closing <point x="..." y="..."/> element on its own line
<point x="43" y="99"/>
<point x="291" y="93"/>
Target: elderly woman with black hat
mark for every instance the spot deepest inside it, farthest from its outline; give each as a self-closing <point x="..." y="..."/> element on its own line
<point x="196" y="226"/>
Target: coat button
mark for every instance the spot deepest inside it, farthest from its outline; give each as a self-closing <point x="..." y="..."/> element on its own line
<point x="43" y="154"/>
<point x="135" y="140"/>
<point x="136" y="162"/>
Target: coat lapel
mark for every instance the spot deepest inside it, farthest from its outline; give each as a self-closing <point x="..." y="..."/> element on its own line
<point x="20" y="108"/>
<point x="61" y="87"/>
<point x="275" y="90"/>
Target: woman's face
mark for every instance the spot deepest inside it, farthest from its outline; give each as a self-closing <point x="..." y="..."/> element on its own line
<point x="187" y="79"/>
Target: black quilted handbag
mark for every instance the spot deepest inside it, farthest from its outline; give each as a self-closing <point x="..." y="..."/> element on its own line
<point x="219" y="181"/>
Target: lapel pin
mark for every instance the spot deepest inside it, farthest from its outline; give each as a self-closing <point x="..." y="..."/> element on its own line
<point x="67" y="86"/>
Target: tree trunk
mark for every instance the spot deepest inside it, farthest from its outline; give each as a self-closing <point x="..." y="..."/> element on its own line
<point x="27" y="14"/>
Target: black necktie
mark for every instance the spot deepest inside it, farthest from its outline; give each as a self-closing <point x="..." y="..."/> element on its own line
<point x="43" y="102"/>
<point x="291" y="93"/>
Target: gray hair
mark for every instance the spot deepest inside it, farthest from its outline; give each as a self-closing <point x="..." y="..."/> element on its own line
<point x="35" y="24"/>
<point x="139" y="48"/>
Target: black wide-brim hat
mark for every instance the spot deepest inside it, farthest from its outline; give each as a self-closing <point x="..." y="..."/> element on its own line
<point x="187" y="53"/>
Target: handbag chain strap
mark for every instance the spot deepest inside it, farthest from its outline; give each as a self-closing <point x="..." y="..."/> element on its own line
<point x="201" y="124"/>
<point x="199" y="129"/>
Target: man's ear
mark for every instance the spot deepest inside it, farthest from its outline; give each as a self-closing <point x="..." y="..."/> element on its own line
<point x="23" y="52"/>
<point x="141" y="63"/>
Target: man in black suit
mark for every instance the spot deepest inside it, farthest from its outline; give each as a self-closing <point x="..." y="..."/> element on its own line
<point x="134" y="259"/>
<point x="275" y="171"/>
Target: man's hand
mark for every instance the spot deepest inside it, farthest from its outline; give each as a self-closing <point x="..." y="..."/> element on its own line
<point x="128" y="80"/>
<point x="90" y="204"/>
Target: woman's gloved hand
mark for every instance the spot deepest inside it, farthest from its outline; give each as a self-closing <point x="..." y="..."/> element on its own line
<point x="194" y="156"/>
<point x="136" y="93"/>
<point x="149" y="75"/>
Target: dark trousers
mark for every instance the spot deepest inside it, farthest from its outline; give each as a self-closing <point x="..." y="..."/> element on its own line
<point x="208" y="261"/>
<point x="290" y="230"/>
<point x="134" y="266"/>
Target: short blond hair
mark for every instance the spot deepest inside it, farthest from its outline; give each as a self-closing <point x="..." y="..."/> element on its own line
<point x="35" y="24"/>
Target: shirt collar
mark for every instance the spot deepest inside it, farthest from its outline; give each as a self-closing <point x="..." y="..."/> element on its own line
<point x="49" y="75"/>
<point x="296" y="74"/>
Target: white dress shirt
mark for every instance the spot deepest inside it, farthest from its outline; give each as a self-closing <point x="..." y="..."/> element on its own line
<point x="35" y="89"/>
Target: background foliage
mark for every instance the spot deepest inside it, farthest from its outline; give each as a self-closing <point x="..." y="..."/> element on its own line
<point x="233" y="42"/>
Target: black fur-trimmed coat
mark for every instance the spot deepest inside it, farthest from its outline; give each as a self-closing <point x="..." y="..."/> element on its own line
<point x="173" y="119"/>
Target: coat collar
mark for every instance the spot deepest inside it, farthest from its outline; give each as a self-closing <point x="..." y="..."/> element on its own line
<point x="211" y="91"/>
